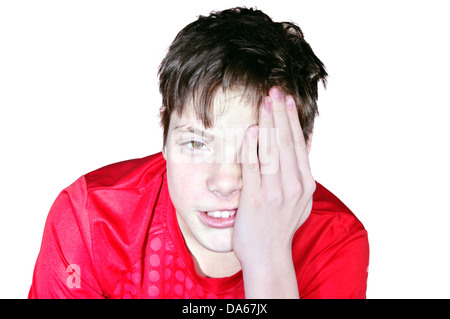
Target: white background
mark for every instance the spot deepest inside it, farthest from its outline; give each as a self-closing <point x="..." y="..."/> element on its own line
<point x="78" y="90"/>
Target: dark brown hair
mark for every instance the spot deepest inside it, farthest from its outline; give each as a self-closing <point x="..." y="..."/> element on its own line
<point x="239" y="47"/>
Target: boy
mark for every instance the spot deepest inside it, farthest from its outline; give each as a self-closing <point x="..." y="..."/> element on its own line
<point x="229" y="209"/>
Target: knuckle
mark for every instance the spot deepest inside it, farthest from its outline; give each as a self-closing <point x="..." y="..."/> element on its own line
<point x="278" y="108"/>
<point x="252" y="166"/>
<point x="287" y="140"/>
<point x="310" y="187"/>
<point x="295" y="190"/>
<point x="298" y="190"/>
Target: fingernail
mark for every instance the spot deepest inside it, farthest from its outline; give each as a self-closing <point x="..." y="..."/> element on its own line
<point x="276" y="93"/>
<point x="290" y="103"/>
<point x="268" y="103"/>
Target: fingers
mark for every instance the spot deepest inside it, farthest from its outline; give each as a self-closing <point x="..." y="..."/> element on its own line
<point x="283" y="157"/>
<point x="288" y="157"/>
<point x="251" y="175"/>
<point x="268" y="146"/>
<point x="297" y="133"/>
<point x="295" y="172"/>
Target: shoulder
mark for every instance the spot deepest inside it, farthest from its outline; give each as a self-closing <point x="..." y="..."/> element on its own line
<point x="331" y="250"/>
<point x="328" y="206"/>
<point x="331" y="227"/>
<point x="96" y="224"/>
<point x="133" y="173"/>
<point x="117" y="207"/>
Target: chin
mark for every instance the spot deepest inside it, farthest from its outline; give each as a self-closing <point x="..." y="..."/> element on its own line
<point x="222" y="249"/>
<point x="219" y="243"/>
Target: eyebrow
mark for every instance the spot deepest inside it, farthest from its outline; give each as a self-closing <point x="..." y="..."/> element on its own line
<point x="189" y="128"/>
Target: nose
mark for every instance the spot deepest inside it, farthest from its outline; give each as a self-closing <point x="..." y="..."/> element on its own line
<point x="225" y="179"/>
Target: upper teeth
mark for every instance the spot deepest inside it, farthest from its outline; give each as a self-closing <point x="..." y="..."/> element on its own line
<point x="221" y="213"/>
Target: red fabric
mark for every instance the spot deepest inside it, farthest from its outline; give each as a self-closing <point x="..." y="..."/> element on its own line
<point x="113" y="234"/>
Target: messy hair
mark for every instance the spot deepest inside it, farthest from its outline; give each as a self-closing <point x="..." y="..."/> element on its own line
<point x="239" y="47"/>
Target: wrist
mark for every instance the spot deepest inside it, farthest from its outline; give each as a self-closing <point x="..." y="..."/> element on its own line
<point x="272" y="278"/>
<point x="264" y="256"/>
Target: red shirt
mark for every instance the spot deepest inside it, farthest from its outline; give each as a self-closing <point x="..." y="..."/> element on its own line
<point x="113" y="233"/>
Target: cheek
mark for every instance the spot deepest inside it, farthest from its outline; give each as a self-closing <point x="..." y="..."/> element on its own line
<point x="186" y="182"/>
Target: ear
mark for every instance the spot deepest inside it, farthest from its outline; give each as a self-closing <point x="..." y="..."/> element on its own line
<point x="164" y="152"/>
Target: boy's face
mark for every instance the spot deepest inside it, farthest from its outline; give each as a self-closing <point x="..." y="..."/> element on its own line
<point x="204" y="169"/>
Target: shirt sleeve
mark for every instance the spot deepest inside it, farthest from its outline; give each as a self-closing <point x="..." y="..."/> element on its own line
<point x="65" y="267"/>
<point x="340" y="270"/>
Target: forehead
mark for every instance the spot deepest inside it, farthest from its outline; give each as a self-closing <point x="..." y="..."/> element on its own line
<point x="231" y="108"/>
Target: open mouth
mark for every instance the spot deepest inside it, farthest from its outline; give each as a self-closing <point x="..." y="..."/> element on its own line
<point x="221" y="213"/>
<point x="218" y="218"/>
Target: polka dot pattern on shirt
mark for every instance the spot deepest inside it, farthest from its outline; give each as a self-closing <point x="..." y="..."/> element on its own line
<point x="165" y="275"/>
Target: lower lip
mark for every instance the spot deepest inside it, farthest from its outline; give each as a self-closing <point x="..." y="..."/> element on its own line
<point x="216" y="222"/>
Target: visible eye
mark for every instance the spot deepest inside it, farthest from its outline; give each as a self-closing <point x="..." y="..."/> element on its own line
<point x="196" y="145"/>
